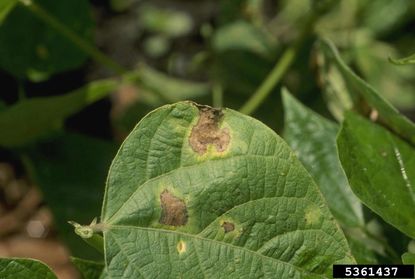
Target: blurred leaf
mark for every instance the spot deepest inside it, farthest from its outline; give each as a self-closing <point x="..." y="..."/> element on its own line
<point x="71" y="171"/>
<point x="120" y="5"/>
<point x="230" y="11"/>
<point x="381" y="16"/>
<point x="156" y="46"/>
<point x="90" y="269"/>
<point x="365" y="99"/>
<point x="403" y="61"/>
<point x="241" y="35"/>
<point x="168" y="22"/>
<point x="313" y="139"/>
<point x="34" y="118"/>
<point x="372" y="64"/>
<point x="25" y="269"/>
<point x="5" y="7"/>
<point x="408" y="258"/>
<point x="381" y="170"/>
<point x="28" y="44"/>
<point x="169" y="88"/>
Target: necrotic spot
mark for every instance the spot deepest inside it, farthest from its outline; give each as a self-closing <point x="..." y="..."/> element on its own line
<point x="207" y="131"/>
<point x="228" y="226"/>
<point x="173" y="210"/>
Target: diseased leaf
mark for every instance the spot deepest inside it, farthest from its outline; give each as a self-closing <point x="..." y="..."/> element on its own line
<point x="364" y="98"/>
<point x="380" y="168"/>
<point x="24" y="269"/>
<point x="313" y="140"/>
<point x="90" y="269"/>
<point x="34" y="118"/>
<point x="197" y="192"/>
<point x="43" y="50"/>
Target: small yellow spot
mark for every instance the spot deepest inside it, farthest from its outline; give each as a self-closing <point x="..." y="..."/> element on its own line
<point x="181" y="247"/>
<point x="312" y="215"/>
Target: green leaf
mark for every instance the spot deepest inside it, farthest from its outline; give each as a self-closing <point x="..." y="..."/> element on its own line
<point x="5" y="7"/>
<point x="365" y="99"/>
<point x="313" y="139"/>
<point x="380" y="168"/>
<point x="90" y="269"/>
<point x="71" y="171"/>
<point x="29" y="46"/>
<point x="408" y="258"/>
<point x="197" y="192"/>
<point x="165" y="21"/>
<point x="403" y="61"/>
<point x="25" y="269"/>
<point x="32" y="119"/>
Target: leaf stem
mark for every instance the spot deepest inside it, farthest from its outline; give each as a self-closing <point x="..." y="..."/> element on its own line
<point x="279" y="69"/>
<point x="90" y="234"/>
<point x="71" y="35"/>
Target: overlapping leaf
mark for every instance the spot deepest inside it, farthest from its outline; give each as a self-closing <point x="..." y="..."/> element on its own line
<point x="313" y="139"/>
<point x="203" y="193"/>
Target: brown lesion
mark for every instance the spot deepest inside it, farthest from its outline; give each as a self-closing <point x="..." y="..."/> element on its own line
<point x="207" y="131"/>
<point x="228" y="226"/>
<point x="173" y="210"/>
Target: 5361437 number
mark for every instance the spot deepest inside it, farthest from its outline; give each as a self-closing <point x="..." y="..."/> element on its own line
<point x="373" y="271"/>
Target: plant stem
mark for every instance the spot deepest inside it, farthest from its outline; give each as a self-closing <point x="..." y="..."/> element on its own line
<point x="279" y="69"/>
<point x="85" y="46"/>
<point x="217" y="95"/>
